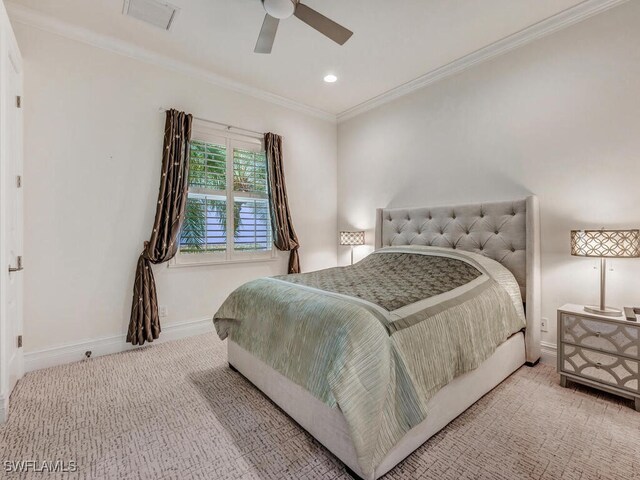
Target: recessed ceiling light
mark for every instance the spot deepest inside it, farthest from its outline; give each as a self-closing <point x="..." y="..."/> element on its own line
<point x="331" y="78"/>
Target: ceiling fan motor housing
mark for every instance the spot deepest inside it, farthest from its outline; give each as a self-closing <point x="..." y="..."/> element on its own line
<point x="280" y="9"/>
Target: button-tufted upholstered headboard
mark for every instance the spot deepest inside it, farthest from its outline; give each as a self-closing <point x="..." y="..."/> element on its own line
<point x="507" y="232"/>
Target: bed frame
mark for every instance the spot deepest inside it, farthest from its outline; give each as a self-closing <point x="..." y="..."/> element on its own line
<point x="508" y="232"/>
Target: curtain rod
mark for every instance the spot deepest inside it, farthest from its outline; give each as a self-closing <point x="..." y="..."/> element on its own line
<point x="226" y="125"/>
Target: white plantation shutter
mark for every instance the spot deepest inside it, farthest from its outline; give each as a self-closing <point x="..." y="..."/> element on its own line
<point x="250" y="195"/>
<point x="227" y="215"/>
<point x="208" y="165"/>
<point x="212" y="234"/>
<point x="250" y="171"/>
<point x="204" y="228"/>
<point x="254" y="232"/>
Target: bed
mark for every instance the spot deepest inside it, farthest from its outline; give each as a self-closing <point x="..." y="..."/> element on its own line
<point x="378" y="408"/>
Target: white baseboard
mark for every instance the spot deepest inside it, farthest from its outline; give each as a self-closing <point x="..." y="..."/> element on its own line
<point x="549" y="353"/>
<point x="74" y="352"/>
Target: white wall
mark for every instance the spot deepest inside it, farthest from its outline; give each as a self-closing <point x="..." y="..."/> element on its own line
<point x="559" y="118"/>
<point x="93" y="141"/>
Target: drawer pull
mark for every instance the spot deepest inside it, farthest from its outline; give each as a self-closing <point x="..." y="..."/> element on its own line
<point x="597" y="334"/>
<point x="598" y="365"/>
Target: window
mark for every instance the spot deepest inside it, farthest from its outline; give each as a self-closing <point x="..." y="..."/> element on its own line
<point x="227" y="215"/>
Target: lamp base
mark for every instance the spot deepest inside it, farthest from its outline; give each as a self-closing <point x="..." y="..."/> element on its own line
<point x="608" y="311"/>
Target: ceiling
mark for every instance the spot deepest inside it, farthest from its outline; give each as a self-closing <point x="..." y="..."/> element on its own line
<point x="392" y="44"/>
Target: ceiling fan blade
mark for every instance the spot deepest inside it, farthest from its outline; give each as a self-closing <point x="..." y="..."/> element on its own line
<point x="267" y="34"/>
<point x="324" y="25"/>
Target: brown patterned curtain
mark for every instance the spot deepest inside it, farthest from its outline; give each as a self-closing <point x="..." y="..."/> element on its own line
<point x="144" y="325"/>
<point x="284" y="236"/>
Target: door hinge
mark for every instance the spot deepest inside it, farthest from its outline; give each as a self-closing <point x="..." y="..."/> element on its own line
<point x="19" y="181"/>
<point x="19" y="341"/>
<point x="19" y="101"/>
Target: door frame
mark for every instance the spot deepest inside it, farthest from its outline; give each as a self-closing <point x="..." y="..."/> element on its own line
<point x="10" y="64"/>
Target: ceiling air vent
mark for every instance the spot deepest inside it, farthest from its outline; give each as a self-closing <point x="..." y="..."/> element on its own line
<point x="158" y="14"/>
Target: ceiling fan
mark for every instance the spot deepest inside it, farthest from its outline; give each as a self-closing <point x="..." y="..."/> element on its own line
<point x="280" y="9"/>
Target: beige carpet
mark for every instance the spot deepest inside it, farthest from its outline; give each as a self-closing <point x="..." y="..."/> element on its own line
<point x="175" y="410"/>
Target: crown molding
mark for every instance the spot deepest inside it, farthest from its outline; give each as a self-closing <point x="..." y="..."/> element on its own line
<point x="33" y="18"/>
<point x="566" y="18"/>
<point x="557" y="22"/>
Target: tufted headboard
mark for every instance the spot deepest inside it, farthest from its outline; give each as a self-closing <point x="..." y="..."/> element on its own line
<point x="507" y="232"/>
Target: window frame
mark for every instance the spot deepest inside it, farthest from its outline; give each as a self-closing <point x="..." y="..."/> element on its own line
<point x="207" y="133"/>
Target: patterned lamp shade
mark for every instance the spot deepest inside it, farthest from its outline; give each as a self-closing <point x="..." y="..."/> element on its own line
<point x="351" y="238"/>
<point x="605" y="243"/>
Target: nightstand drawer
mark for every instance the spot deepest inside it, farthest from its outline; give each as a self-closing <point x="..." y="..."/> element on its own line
<point x="601" y="367"/>
<point x="601" y="335"/>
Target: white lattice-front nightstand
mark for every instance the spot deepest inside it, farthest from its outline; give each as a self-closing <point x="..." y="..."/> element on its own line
<point x="602" y="352"/>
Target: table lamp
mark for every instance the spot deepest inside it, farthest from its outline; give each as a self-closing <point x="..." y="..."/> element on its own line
<point x="352" y="239"/>
<point x="605" y="244"/>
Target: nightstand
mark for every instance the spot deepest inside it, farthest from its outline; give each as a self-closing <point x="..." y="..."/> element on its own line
<point x="598" y="351"/>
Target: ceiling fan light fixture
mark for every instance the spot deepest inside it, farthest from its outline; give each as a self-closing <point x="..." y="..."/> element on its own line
<point x="330" y="78"/>
<point x="280" y="9"/>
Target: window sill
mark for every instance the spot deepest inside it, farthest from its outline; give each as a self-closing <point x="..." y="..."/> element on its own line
<point x="175" y="263"/>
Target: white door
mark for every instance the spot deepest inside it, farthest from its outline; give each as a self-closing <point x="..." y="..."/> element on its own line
<point x="11" y="279"/>
<point x="14" y="218"/>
